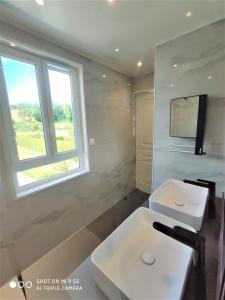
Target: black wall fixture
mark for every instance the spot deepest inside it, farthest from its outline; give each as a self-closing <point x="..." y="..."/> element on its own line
<point x="202" y="109"/>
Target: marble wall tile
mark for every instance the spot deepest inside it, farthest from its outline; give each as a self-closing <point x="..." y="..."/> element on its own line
<point x="198" y="54"/>
<point x="143" y="83"/>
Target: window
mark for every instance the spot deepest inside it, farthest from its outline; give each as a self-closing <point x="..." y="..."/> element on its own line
<point x="44" y="118"/>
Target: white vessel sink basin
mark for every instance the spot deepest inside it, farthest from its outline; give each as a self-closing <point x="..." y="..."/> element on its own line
<point x="118" y="266"/>
<point x="182" y="201"/>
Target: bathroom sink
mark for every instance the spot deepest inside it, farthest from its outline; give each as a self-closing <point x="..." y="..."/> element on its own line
<point x="182" y="201"/>
<point x="138" y="262"/>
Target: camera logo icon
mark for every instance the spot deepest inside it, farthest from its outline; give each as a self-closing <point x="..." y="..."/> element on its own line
<point x="20" y="284"/>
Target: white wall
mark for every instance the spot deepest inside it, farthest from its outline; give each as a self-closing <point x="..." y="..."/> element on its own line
<point x="34" y="225"/>
<point x="198" y="55"/>
<point x="143" y="83"/>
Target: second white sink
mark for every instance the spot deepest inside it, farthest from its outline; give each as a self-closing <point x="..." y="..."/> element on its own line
<point x="181" y="201"/>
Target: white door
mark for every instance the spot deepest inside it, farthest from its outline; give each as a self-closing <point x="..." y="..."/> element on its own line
<point x="144" y="141"/>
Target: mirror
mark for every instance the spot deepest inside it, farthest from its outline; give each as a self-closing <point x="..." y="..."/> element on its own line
<point x="187" y="119"/>
<point x="184" y="117"/>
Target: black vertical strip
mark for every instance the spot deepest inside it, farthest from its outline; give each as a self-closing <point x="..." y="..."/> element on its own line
<point x="201" y="124"/>
<point x="220" y="286"/>
<point x="20" y="279"/>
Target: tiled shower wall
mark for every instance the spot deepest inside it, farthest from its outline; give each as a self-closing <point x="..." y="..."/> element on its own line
<point x="38" y="223"/>
<point x="199" y="54"/>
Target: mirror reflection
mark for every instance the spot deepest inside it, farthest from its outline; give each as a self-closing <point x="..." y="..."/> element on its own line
<point x="184" y="117"/>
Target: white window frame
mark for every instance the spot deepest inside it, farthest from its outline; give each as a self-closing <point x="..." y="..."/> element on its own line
<point x="42" y="65"/>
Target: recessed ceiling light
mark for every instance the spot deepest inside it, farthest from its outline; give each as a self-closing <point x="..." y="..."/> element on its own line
<point x="175" y="65"/>
<point x="40" y="2"/>
<point x="117" y="49"/>
<point x="210" y="77"/>
<point x="139" y="64"/>
<point x="103" y="75"/>
<point x="110" y="0"/>
<point x="171" y="85"/>
<point x="188" y="14"/>
<point x="12" y="44"/>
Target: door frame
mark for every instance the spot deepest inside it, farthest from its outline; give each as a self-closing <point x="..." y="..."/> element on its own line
<point x="152" y="91"/>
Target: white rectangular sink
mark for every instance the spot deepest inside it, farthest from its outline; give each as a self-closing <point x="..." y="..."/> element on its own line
<point x="182" y="201"/>
<point x="118" y="263"/>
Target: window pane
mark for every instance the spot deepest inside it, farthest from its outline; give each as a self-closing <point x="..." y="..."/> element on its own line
<point x="60" y="88"/>
<point x="21" y="85"/>
<point x="35" y="174"/>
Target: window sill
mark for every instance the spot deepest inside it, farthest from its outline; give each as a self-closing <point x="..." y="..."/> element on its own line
<point x="52" y="183"/>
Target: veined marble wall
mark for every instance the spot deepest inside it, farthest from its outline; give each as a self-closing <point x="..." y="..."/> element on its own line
<point x="143" y="83"/>
<point x="36" y="224"/>
<point x="199" y="54"/>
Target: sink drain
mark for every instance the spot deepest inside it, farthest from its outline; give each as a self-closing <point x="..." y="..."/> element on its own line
<point x="179" y="203"/>
<point x="148" y="258"/>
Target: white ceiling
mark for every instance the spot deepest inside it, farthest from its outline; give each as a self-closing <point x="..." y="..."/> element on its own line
<point x="96" y="27"/>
